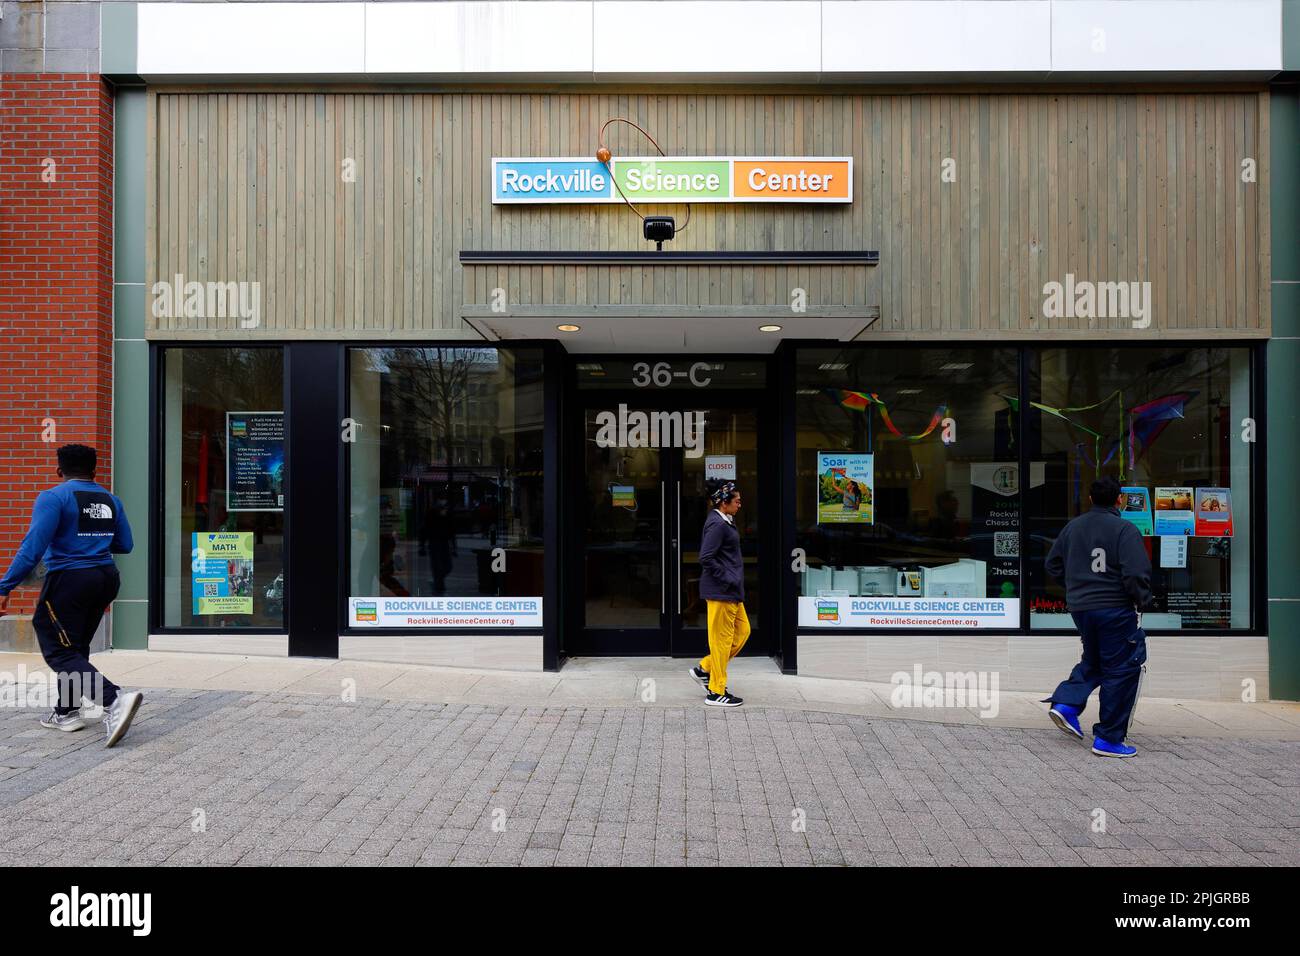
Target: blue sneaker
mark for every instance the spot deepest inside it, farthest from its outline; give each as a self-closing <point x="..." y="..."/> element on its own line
<point x="1104" y="748"/>
<point x="1067" y="718"/>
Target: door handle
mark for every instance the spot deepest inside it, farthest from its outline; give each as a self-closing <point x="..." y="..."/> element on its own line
<point x="677" y="552"/>
<point x="663" y="534"/>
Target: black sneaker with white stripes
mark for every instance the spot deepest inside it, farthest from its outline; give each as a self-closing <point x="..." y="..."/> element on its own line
<point x="723" y="700"/>
<point x="700" y="675"/>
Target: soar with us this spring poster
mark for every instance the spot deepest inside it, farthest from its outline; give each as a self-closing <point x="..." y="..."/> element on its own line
<point x="845" y="488"/>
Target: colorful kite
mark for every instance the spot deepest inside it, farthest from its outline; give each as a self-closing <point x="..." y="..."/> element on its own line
<point x="862" y="402"/>
<point x="1147" y="421"/>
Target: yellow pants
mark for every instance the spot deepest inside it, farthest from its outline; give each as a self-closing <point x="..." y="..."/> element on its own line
<point x="728" y="632"/>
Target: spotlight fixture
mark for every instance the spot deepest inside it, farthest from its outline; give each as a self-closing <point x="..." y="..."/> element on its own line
<point x="769" y="328"/>
<point x="569" y="328"/>
<point x="659" y="229"/>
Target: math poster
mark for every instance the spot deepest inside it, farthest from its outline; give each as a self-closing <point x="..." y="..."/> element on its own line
<point x="221" y="570"/>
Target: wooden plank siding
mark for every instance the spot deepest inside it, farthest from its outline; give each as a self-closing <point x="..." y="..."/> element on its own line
<point x="1107" y="186"/>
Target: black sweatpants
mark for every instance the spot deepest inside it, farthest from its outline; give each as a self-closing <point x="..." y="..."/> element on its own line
<point x="71" y="605"/>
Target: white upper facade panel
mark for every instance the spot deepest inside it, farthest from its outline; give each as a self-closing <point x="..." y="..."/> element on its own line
<point x="739" y="40"/>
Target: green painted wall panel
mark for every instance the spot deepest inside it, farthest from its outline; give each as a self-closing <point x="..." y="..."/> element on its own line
<point x="1284" y="650"/>
<point x="117" y="55"/>
<point x="128" y="311"/>
<point x="1284" y="185"/>
<point x="130" y="356"/>
<point x="130" y="625"/>
<point x="1282" y="403"/>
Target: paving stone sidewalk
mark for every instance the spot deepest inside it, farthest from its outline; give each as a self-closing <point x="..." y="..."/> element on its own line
<point x="310" y="780"/>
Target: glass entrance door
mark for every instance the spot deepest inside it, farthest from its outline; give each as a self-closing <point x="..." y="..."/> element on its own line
<point x="730" y="450"/>
<point x="640" y="509"/>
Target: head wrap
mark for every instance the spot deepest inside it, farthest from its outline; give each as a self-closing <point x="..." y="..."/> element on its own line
<point x="723" y="493"/>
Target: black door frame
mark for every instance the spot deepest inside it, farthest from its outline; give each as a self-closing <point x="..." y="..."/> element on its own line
<point x="670" y="637"/>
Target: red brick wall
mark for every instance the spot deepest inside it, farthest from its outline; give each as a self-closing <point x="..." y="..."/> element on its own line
<point x="56" y="291"/>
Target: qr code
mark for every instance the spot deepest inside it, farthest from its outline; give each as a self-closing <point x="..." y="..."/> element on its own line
<point x="1006" y="544"/>
<point x="211" y="589"/>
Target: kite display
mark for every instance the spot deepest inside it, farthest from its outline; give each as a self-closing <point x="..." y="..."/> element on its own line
<point x="863" y="402"/>
<point x="1145" y="424"/>
<point x="1148" y="420"/>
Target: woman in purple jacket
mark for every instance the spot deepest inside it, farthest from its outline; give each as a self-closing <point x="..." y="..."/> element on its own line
<point x="722" y="585"/>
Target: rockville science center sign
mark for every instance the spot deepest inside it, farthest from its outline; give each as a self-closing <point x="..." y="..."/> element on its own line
<point x="801" y="179"/>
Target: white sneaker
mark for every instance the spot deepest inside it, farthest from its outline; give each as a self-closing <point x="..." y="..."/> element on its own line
<point x="66" y="722"/>
<point x="118" y="717"/>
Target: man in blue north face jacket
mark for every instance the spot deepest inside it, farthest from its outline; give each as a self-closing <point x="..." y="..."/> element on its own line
<point x="76" y="527"/>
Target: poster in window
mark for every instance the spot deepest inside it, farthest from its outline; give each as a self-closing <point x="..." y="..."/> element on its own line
<point x="1214" y="512"/>
<point x="995" y="520"/>
<point x="1174" y="511"/>
<point x="845" y="488"/>
<point x="1135" y="506"/>
<point x="255" y="461"/>
<point x="221" y="572"/>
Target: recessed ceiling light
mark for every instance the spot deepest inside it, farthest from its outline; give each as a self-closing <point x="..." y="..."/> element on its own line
<point x="909" y="391"/>
<point x="569" y="328"/>
<point x="769" y="328"/>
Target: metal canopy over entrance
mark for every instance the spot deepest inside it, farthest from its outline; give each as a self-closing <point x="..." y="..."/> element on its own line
<point x="666" y="332"/>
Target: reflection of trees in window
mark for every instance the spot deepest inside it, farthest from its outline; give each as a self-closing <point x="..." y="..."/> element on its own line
<point x="215" y="381"/>
<point x="233" y="379"/>
<point x="428" y="388"/>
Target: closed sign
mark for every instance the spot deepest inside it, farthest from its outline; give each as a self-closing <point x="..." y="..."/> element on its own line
<point x="722" y="467"/>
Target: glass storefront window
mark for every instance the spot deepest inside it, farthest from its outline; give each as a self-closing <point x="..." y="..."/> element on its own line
<point x="223" y="488"/>
<point x="1166" y="422"/>
<point x="907" y="473"/>
<point x="445" y="487"/>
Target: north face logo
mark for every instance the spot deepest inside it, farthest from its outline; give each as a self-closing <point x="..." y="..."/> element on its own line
<point x="98" y="509"/>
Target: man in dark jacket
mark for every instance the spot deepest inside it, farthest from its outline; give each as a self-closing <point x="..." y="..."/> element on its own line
<point x="77" y="527"/>
<point x="722" y="585"/>
<point x="1103" y="563"/>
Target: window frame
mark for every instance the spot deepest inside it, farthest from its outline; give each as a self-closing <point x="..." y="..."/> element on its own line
<point x="156" y="535"/>
<point x="550" y="613"/>
<point x="1026" y="351"/>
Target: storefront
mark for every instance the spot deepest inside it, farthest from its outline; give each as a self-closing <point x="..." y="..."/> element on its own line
<point x="420" y="388"/>
<point x="533" y="504"/>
